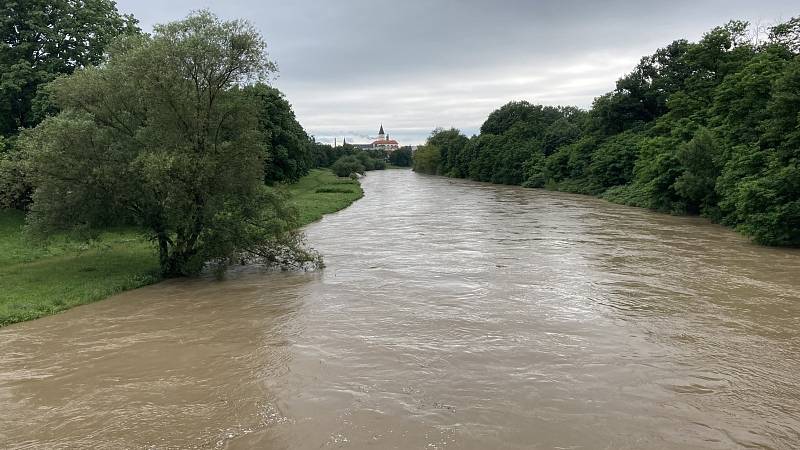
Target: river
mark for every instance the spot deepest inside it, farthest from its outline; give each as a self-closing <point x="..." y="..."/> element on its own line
<point x="451" y="314"/>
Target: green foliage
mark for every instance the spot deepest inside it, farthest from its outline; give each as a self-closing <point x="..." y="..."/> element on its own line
<point x="323" y="155"/>
<point x="740" y="100"/>
<point x="427" y="159"/>
<point x="367" y="161"/>
<point x="401" y="157"/>
<point x="539" y="117"/>
<point x="162" y="136"/>
<point x="769" y="204"/>
<point x="333" y="190"/>
<point x="655" y="173"/>
<point x="787" y="35"/>
<point x="534" y="171"/>
<point x="348" y="165"/>
<point x="515" y="147"/>
<point x="697" y="185"/>
<point x="44" y="39"/>
<point x="41" y="279"/>
<point x="613" y="161"/>
<point x="450" y="143"/>
<point x="356" y="161"/>
<point x="288" y="146"/>
<point x="15" y="188"/>
<point x="560" y="133"/>
<point x="711" y="128"/>
<point x="570" y="161"/>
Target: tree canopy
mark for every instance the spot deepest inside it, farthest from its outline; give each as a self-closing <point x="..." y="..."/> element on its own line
<point x="288" y="146"/>
<point x="709" y="127"/>
<point x="40" y="40"/>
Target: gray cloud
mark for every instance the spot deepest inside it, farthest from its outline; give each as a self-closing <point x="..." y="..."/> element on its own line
<point x="348" y="66"/>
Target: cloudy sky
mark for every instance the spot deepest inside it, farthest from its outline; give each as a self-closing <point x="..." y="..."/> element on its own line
<point x="349" y="65"/>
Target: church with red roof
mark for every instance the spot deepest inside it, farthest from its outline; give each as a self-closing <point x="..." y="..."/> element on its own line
<point x="384" y="143"/>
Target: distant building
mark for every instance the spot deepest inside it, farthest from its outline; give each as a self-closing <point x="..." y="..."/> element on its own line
<point x="384" y="143"/>
<point x="381" y="143"/>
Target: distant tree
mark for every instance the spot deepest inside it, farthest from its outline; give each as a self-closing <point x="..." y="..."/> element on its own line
<point x="162" y="135"/>
<point x="506" y="116"/>
<point x="347" y="166"/>
<point x="322" y="155"/>
<point x="44" y="39"/>
<point x="401" y="157"/>
<point x="366" y="160"/>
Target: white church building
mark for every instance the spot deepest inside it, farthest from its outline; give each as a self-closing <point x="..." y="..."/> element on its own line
<point x="381" y="143"/>
<point x="384" y="143"/>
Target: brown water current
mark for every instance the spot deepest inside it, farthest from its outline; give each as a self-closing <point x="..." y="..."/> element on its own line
<point x="451" y="314"/>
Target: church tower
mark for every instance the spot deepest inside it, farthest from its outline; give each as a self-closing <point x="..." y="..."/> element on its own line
<point x="381" y="134"/>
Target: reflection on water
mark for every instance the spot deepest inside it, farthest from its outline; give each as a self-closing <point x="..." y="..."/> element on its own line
<point x="451" y="314"/>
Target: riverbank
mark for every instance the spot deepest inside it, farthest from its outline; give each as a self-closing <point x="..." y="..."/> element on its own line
<point x="39" y="280"/>
<point x="321" y="192"/>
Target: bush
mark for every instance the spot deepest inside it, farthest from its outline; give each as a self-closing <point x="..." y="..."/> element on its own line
<point x="348" y="165"/>
<point x="334" y="190"/>
<point x="15" y="187"/>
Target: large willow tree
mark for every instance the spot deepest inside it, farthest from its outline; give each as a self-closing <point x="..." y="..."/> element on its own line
<point x="163" y="135"/>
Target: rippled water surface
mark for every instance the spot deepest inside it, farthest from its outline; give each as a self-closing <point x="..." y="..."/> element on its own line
<point x="451" y="314"/>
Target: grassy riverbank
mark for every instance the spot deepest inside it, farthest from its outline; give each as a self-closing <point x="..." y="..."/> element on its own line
<point x="38" y="280"/>
<point x="321" y="192"/>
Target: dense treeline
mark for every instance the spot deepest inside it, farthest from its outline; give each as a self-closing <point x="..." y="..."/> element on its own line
<point x="346" y="159"/>
<point x="710" y="128"/>
<point x="402" y="157"/>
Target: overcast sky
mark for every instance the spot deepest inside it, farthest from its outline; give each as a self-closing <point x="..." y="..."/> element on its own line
<point x="349" y="65"/>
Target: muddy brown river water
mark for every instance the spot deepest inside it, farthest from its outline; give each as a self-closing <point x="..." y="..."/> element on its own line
<point x="451" y="314"/>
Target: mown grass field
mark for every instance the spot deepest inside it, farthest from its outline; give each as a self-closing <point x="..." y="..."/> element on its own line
<point x="38" y="279"/>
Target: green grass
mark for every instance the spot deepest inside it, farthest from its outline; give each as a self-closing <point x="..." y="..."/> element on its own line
<point x="321" y="192"/>
<point x="38" y="279"/>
